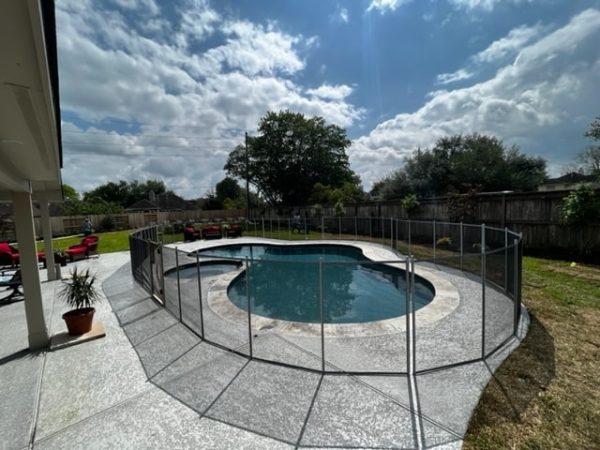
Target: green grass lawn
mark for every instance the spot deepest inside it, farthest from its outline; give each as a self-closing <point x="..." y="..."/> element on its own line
<point x="113" y="241"/>
<point x="546" y="395"/>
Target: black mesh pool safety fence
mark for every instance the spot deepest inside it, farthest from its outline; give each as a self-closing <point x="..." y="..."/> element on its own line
<point x="473" y="270"/>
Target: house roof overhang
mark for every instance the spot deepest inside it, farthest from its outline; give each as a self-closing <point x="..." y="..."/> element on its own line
<point x="30" y="140"/>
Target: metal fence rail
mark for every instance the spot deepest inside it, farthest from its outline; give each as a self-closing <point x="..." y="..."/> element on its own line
<point x="485" y="264"/>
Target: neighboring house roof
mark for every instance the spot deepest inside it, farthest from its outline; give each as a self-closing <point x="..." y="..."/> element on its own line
<point x="573" y="177"/>
<point x="143" y="205"/>
<point x="169" y="201"/>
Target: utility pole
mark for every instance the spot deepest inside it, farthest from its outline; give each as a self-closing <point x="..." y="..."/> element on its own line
<point x="247" y="179"/>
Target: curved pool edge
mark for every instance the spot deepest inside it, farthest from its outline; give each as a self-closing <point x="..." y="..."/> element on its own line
<point x="446" y="297"/>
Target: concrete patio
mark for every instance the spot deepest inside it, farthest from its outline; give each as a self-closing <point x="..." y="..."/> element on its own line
<point x="151" y="383"/>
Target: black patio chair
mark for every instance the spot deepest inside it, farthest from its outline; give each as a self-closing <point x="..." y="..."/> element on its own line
<point x="14" y="283"/>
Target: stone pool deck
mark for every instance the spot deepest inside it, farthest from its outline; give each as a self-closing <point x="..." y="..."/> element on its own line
<point x="151" y="383"/>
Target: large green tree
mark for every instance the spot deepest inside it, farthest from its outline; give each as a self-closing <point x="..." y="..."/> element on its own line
<point x="589" y="159"/>
<point x="459" y="164"/>
<point x="227" y="188"/>
<point x="125" y="193"/>
<point x="290" y="155"/>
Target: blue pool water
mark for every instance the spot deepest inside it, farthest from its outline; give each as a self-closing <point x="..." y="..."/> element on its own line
<point x="284" y="284"/>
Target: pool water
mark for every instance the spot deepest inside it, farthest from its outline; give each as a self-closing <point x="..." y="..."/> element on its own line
<point x="284" y="284"/>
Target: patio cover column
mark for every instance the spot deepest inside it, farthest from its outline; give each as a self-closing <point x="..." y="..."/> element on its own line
<point x="47" y="230"/>
<point x="34" y="310"/>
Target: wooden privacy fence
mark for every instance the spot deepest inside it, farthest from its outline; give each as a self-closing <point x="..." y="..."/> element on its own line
<point x="535" y="214"/>
<point x="68" y="225"/>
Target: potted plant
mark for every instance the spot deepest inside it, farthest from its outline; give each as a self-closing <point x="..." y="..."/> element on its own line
<point x="79" y="293"/>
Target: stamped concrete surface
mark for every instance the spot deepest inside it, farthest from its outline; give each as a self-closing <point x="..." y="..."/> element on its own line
<point x="152" y="383"/>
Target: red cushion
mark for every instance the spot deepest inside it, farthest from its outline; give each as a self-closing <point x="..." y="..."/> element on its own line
<point x="6" y="248"/>
<point x="76" y="249"/>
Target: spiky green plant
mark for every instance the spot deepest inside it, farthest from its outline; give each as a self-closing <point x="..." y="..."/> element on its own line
<point x="79" y="292"/>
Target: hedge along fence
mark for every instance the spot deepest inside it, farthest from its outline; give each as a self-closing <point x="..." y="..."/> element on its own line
<point x="68" y="225"/>
<point x="535" y="214"/>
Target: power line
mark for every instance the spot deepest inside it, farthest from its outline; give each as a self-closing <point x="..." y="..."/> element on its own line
<point x="145" y="155"/>
<point x="117" y="134"/>
<point x="132" y="146"/>
<point x="153" y="124"/>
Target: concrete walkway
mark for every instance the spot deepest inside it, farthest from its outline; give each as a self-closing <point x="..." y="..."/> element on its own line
<point x="151" y="383"/>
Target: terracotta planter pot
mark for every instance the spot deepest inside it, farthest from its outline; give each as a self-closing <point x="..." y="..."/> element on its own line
<point x="79" y="321"/>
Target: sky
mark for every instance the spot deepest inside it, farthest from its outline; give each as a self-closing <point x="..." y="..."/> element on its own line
<point x="165" y="90"/>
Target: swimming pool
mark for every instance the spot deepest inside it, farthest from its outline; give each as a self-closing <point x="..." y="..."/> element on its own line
<point x="284" y="284"/>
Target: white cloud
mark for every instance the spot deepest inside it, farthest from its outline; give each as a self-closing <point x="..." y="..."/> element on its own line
<point x="509" y="44"/>
<point x="384" y="6"/>
<point x="327" y="91"/>
<point x="344" y="15"/>
<point x="188" y="107"/>
<point x="485" y="5"/>
<point x="255" y="50"/>
<point x="198" y="20"/>
<point x="459" y="75"/>
<point x="340" y="15"/>
<point x="143" y="6"/>
<point x="536" y="102"/>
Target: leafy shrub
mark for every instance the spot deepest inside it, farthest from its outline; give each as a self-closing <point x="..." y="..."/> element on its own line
<point x="410" y="203"/>
<point x="444" y="241"/>
<point x="462" y="207"/>
<point x="580" y="206"/>
<point x="79" y="291"/>
<point x="107" y="223"/>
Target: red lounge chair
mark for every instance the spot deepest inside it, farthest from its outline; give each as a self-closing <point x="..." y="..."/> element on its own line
<point x="13" y="254"/>
<point x="234" y="230"/>
<point x="88" y="246"/>
<point x="7" y="252"/>
<point x="190" y="234"/>
<point x="211" y="231"/>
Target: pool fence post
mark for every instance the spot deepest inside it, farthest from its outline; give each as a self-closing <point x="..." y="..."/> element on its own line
<point x="263" y="226"/>
<point x="407" y="312"/>
<point x="516" y="287"/>
<point x="290" y="229"/>
<point x="322" y="314"/>
<point x="150" y="258"/>
<point x="178" y="284"/>
<point x="271" y="226"/>
<point x="382" y="225"/>
<point x="397" y="233"/>
<point x="248" y="307"/>
<point x="278" y="228"/>
<point x="255" y="230"/>
<point x="370" y="228"/>
<point x="433" y="226"/>
<point x="505" y="260"/>
<point x="322" y="227"/>
<point x="305" y="227"/>
<point x="200" y="294"/>
<point x="461" y="245"/>
<point x="162" y="273"/>
<point x="413" y="318"/>
<point x="392" y="232"/>
<point x="483" y="275"/>
<point x="409" y="236"/>
<point x="520" y="271"/>
<point x="355" y="228"/>
<point x="339" y="227"/>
